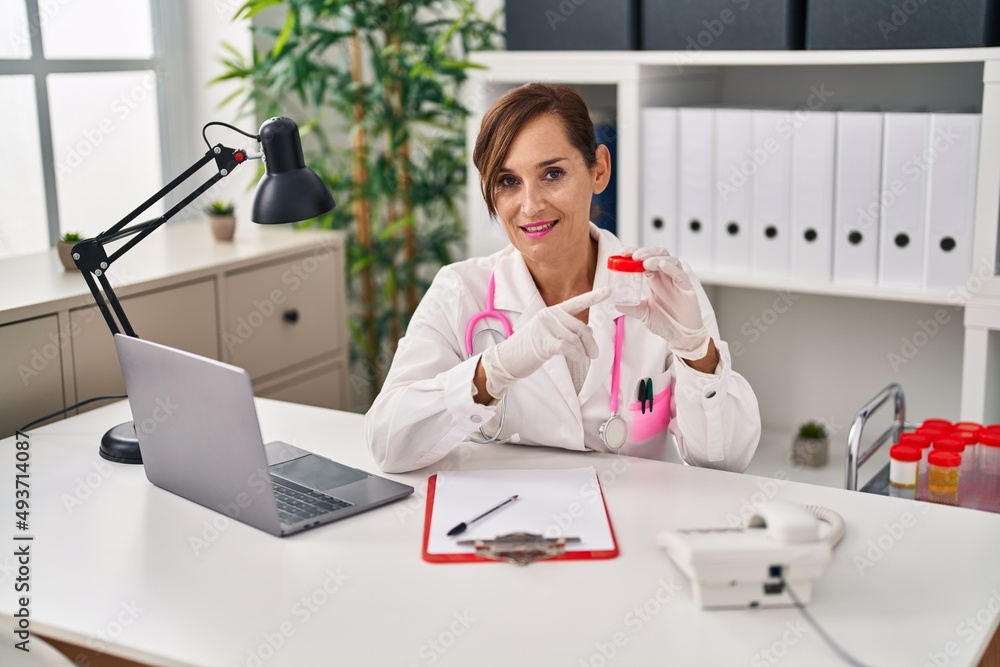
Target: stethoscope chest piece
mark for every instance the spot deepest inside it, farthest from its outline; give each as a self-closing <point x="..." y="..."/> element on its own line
<point x="614" y="432"/>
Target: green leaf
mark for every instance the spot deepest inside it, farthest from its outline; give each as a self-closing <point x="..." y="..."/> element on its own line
<point x="286" y="32"/>
<point x="254" y="7"/>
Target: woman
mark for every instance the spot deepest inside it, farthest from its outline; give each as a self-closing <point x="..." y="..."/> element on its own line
<point x="540" y="165"/>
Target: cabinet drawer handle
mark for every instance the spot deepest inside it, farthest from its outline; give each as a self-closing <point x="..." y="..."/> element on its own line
<point x="291" y="316"/>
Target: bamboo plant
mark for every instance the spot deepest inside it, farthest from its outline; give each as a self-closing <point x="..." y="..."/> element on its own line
<point x="388" y="74"/>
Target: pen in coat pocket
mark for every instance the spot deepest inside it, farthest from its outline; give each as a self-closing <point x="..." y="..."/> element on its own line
<point x="645" y="394"/>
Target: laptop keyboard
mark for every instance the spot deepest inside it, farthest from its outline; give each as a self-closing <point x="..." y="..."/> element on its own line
<point x="297" y="503"/>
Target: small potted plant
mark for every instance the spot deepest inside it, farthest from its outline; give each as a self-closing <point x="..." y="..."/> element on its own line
<point x="65" y="248"/>
<point x="811" y="445"/>
<point x="220" y="215"/>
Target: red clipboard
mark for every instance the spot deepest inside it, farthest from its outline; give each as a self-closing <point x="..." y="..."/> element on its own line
<point x="473" y="558"/>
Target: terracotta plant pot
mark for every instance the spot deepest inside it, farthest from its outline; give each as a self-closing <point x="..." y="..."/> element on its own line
<point x="809" y="452"/>
<point x="65" y="249"/>
<point x="223" y="227"/>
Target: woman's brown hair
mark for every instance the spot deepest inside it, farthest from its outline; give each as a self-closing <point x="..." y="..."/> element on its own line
<point x="512" y="112"/>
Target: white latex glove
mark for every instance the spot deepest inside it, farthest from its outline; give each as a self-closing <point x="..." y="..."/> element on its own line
<point x="549" y="332"/>
<point x="672" y="311"/>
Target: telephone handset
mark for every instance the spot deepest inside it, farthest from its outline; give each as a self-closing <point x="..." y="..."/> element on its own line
<point x="789" y="523"/>
<point x="782" y="545"/>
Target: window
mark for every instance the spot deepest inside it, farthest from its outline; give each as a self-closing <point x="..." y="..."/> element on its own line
<point x="84" y="116"/>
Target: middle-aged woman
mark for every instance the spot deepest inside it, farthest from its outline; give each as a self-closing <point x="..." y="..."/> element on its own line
<point x="540" y="165"/>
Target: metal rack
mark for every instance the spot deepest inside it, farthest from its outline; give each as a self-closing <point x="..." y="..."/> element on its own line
<point x="977" y="489"/>
<point x="899" y="424"/>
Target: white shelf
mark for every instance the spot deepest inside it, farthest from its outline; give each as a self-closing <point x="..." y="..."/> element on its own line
<point x="959" y="371"/>
<point x="773" y="459"/>
<point x="535" y="59"/>
<point x="829" y="289"/>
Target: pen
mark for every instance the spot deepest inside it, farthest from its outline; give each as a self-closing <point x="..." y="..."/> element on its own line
<point x="646" y="394"/>
<point x="460" y="528"/>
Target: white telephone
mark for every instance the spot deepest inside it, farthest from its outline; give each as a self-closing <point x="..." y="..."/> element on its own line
<point x="782" y="545"/>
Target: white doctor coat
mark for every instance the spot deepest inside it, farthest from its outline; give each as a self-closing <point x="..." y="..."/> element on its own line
<point x="426" y="408"/>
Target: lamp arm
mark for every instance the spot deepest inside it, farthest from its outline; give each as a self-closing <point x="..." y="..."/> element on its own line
<point x="92" y="259"/>
<point x="146" y="229"/>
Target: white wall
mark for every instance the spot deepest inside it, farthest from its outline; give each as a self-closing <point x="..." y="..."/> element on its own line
<point x="202" y="27"/>
<point x="487" y="7"/>
<point x="822" y="357"/>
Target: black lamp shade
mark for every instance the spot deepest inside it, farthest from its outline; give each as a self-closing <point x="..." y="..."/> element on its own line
<point x="289" y="191"/>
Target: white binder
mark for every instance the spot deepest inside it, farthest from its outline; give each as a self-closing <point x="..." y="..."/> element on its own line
<point x="951" y="202"/>
<point x="659" y="178"/>
<point x="696" y="186"/>
<point x="770" y="241"/>
<point x="734" y="172"/>
<point x="905" y="161"/>
<point x="814" y="153"/>
<point x="856" y="197"/>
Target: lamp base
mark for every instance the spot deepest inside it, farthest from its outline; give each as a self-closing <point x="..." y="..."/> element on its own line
<point x="121" y="445"/>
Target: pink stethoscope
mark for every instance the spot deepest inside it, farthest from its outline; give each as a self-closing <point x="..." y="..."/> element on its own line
<point x="614" y="431"/>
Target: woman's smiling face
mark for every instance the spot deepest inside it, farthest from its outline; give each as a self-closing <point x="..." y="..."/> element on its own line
<point x="544" y="188"/>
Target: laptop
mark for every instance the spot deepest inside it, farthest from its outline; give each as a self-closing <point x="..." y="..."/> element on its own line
<point x="200" y="439"/>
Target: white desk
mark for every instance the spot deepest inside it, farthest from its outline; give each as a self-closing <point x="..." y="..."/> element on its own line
<point x="121" y="562"/>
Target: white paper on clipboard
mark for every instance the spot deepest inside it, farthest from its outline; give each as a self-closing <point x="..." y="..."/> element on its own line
<point x="551" y="503"/>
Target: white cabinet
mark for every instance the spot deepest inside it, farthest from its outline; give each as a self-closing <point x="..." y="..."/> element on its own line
<point x="285" y="323"/>
<point x="812" y="350"/>
<point x="272" y="301"/>
<point x="154" y="316"/>
<point x="323" y="386"/>
<point x="31" y="364"/>
<point x="284" y="315"/>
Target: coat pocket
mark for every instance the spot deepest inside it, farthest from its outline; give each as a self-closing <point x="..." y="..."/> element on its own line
<point x="654" y="421"/>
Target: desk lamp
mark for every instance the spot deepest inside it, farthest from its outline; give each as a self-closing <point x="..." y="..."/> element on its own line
<point x="287" y="192"/>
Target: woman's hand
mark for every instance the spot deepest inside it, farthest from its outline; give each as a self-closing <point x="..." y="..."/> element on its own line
<point x="549" y="332"/>
<point x="672" y="311"/>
